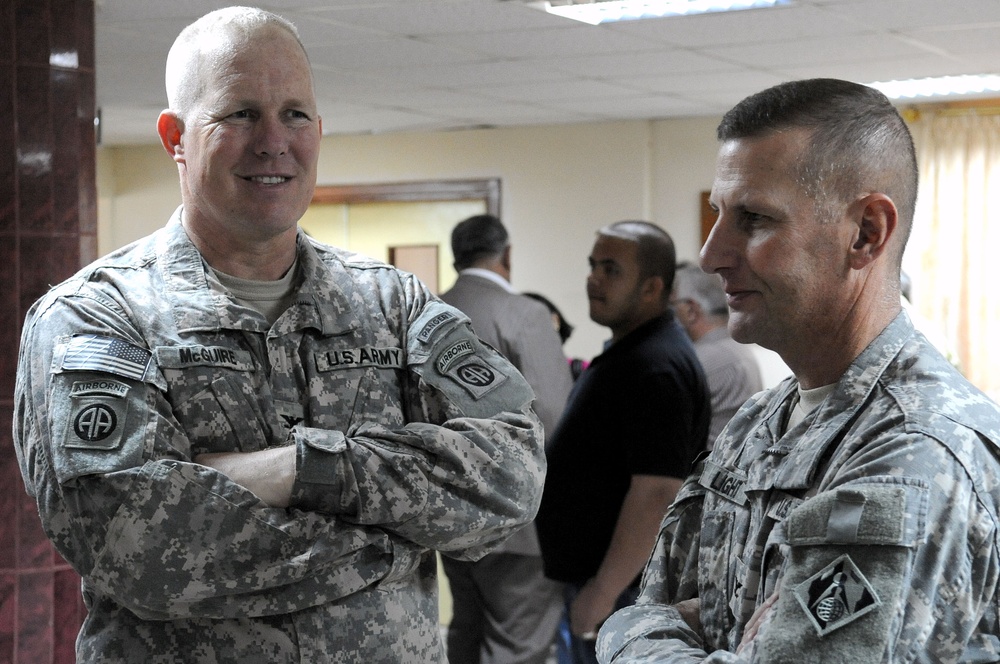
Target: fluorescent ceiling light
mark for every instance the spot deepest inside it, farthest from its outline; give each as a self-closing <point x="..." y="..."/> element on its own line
<point x="606" y="11"/>
<point x="939" y="87"/>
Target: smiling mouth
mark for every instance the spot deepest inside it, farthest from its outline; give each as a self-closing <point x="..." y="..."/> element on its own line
<point x="736" y="297"/>
<point x="267" y="179"/>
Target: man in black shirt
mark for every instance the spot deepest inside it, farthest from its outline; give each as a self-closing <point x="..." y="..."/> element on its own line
<point x="635" y="421"/>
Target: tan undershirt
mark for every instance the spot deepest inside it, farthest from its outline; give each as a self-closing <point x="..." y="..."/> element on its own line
<point x="268" y="298"/>
<point x="807" y="402"/>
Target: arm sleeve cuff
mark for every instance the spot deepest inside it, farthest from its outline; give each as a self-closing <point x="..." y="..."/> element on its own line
<point x="321" y="471"/>
<point x="654" y="630"/>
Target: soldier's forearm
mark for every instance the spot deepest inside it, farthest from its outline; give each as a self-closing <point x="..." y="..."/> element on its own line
<point x="269" y="473"/>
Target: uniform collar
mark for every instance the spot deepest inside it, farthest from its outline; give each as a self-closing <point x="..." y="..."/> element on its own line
<point x="199" y="302"/>
<point x="812" y="438"/>
<point x="325" y="294"/>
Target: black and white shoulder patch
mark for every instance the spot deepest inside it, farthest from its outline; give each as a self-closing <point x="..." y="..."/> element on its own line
<point x="836" y="595"/>
<point x="98" y="411"/>
<point x="476" y="375"/>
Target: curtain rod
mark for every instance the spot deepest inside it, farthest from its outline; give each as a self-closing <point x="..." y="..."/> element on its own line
<point x="990" y="106"/>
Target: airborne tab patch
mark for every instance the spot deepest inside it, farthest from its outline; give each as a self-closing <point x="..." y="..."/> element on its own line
<point x="453" y="354"/>
<point x="836" y="595"/>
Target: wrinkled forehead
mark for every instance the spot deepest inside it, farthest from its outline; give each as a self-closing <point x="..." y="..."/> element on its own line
<point x="760" y="163"/>
<point x="236" y="71"/>
<point x="219" y="39"/>
<point x="230" y="43"/>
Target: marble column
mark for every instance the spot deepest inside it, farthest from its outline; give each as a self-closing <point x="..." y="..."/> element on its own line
<point x="48" y="228"/>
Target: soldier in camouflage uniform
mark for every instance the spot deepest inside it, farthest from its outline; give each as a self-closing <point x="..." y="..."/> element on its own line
<point x="360" y="423"/>
<point x="849" y="514"/>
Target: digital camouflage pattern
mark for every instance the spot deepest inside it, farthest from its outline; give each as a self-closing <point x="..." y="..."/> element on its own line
<point x="875" y="520"/>
<point x="411" y="436"/>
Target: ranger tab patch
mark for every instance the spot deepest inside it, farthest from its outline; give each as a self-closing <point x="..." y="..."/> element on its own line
<point x="90" y="352"/>
<point x="433" y="324"/>
<point x="836" y="595"/>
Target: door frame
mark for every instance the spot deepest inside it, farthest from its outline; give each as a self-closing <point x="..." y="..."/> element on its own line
<point x="487" y="190"/>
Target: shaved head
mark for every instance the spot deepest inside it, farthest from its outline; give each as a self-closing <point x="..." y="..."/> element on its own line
<point x="206" y="42"/>
<point x="859" y="143"/>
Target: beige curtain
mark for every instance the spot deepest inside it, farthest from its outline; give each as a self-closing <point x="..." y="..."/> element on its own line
<point x="954" y="251"/>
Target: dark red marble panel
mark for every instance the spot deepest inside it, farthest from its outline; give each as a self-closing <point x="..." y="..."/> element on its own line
<point x="8" y="615"/>
<point x="62" y="35"/>
<point x="10" y="316"/>
<point x="6" y="45"/>
<point x="47" y="193"/>
<point x="11" y="488"/>
<point x="66" y="146"/>
<point x="34" y="617"/>
<point x="8" y="150"/>
<point x="85" y="33"/>
<point x="86" y="182"/>
<point x="34" y="148"/>
<point x="31" y="44"/>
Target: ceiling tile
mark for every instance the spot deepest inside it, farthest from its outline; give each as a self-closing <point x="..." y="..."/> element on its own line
<point x="419" y="65"/>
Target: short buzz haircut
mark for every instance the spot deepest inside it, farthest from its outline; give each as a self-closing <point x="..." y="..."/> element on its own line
<point x="859" y="142"/>
<point x="480" y="237"/>
<point x="693" y="283"/>
<point x="216" y="33"/>
<point x="656" y="254"/>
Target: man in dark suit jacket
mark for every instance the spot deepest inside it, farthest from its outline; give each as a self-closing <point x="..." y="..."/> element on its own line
<point x="505" y="610"/>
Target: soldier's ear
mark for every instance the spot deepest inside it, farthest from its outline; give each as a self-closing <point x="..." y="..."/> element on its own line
<point x="875" y="219"/>
<point x="171" y="130"/>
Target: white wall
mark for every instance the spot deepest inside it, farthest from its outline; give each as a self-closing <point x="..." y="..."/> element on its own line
<point x="682" y="166"/>
<point x="559" y="185"/>
<point x="138" y="188"/>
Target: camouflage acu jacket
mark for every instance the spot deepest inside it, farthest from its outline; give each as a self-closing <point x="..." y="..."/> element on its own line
<point x="411" y="436"/>
<point x="874" y="520"/>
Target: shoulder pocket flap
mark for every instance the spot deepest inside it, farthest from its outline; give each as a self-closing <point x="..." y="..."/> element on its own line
<point x="866" y="513"/>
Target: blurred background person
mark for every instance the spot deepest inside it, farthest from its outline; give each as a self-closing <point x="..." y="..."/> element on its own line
<point x="505" y="609"/>
<point x="731" y="368"/>
<point x="635" y="421"/>
<point x="563" y="327"/>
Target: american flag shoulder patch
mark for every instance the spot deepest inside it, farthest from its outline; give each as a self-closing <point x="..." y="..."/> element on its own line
<point x="91" y="352"/>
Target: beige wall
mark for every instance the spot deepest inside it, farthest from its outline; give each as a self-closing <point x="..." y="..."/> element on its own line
<point x="559" y="185"/>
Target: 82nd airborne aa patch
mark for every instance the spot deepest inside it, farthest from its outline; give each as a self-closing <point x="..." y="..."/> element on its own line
<point x="97" y="414"/>
<point x="836" y="595"/>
